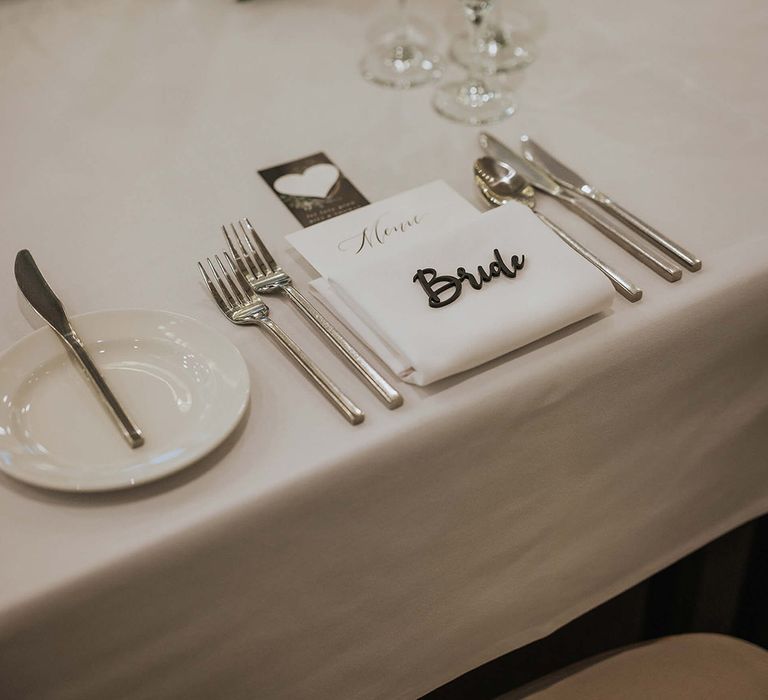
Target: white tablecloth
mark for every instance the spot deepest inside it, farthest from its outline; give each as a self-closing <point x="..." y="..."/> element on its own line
<point x="308" y="558"/>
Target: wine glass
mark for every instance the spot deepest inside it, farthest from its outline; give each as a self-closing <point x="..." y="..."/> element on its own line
<point x="504" y="47"/>
<point x="401" y="58"/>
<point x="481" y="98"/>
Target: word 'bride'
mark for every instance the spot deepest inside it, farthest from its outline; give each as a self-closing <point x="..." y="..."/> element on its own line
<point x="434" y="285"/>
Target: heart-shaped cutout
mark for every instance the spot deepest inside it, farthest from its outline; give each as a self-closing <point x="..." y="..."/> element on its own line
<point x="316" y="181"/>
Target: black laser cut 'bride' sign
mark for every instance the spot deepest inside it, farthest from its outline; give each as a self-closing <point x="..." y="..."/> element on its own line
<point x="434" y="285"/>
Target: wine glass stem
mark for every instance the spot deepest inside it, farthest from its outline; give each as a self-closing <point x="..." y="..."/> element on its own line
<point x="476" y="13"/>
<point x="402" y="21"/>
<point x="494" y="16"/>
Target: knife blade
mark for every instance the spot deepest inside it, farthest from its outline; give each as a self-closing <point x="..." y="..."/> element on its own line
<point x="45" y="302"/>
<point x="541" y="180"/>
<point x="557" y="170"/>
<point x="530" y="171"/>
<point x="42" y="298"/>
<point x="575" y="183"/>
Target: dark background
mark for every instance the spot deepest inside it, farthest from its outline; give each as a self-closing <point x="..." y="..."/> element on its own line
<point x="721" y="588"/>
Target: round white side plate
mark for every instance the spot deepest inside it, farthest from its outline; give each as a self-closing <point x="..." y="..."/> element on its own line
<point x="185" y="385"/>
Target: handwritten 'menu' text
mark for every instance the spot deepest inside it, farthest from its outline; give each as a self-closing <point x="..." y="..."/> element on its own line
<point x="376" y="234"/>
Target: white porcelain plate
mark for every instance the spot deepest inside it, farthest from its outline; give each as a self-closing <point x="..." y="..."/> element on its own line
<point x="185" y="385"/>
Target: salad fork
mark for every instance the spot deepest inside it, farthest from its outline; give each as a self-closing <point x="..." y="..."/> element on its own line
<point x="265" y="276"/>
<point x="241" y="305"/>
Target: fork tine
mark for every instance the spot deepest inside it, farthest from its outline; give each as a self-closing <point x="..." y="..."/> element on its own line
<point x="264" y="251"/>
<point x="223" y="287"/>
<point x="242" y="281"/>
<point x="235" y="254"/>
<point x="255" y="253"/>
<point x="231" y="246"/>
<point x="223" y="305"/>
<point x="240" y="298"/>
<point x="255" y="268"/>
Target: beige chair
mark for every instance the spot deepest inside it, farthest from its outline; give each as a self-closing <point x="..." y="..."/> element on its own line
<point x="685" y="667"/>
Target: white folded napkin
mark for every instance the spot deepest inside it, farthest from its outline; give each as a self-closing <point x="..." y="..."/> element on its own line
<point x="380" y="301"/>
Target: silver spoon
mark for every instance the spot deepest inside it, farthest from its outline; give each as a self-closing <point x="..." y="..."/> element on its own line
<point x="499" y="184"/>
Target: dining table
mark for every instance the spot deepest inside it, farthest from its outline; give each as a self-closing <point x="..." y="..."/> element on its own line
<point x="308" y="558"/>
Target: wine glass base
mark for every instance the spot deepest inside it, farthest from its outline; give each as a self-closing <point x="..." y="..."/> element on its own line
<point x="503" y="50"/>
<point x="400" y="66"/>
<point x="388" y="31"/>
<point x="473" y="103"/>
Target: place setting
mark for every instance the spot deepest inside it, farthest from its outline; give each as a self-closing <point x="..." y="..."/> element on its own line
<point x="421" y="283"/>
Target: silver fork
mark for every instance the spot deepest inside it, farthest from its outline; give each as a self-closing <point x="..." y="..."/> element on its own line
<point x="265" y="276"/>
<point x="241" y="305"/>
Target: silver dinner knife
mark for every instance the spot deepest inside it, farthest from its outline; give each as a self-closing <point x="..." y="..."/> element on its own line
<point x="575" y="183"/>
<point x="42" y="298"/>
<point x="542" y="181"/>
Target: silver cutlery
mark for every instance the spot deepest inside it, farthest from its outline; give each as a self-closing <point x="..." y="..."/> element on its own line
<point x="578" y="185"/>
<point x="499" y="184"/>
<point x="265" y="276"/>
<point x="541" y="181"/>
<point x="241" y="305"/>
<point x="45" y="302"/>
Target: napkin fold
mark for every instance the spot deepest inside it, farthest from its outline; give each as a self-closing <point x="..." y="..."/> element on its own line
<point x="422" y="344"/>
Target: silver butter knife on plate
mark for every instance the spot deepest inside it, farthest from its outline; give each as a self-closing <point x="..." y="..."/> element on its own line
<point x="539" y="178"/>
<point x="42" y="298"/>
<point x="575" y="183"/>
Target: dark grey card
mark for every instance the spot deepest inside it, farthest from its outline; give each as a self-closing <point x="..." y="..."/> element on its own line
<point x="313" y="188"/>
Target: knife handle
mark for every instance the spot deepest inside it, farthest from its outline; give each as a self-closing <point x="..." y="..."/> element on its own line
<point x="649" y="233"/>
<point x="627" y="289"/>
<point x="128" y="428"/>
<point x="660" y="265"/>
